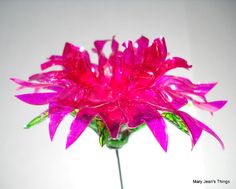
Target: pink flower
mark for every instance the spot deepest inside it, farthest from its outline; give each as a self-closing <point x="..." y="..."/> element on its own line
<point x="129" y="87"/>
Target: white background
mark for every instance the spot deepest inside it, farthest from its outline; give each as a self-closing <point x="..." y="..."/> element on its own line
<point x="203" y="32"/>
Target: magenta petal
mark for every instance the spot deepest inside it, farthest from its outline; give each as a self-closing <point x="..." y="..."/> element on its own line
<point x="49" y="64"/>
<point x="177" y="62"/>
<point x="70" y="51"/>
<point x="113" y="117"/>
<point x="161" y="44"/>
<point x="204" y="88"/>
<point x="99" y="44"/>
<point x="113" y="126"/>
<point x="172" y="63"/>
<point x="142" y="43"/>
<point x="185" y="85"/>
<point x="209" y="130"/>
<point x="128" y="44"/>
<point x="81" y="121"/>
<point x="56" y="58"/>
<point x="159" y="130"/>
<point x="37" y="98"/>
<point x="29" y="84"/>
<point x="56" y="115"/>
<point x="50" y="76"/>
<point x="192" y="125"/>
<point x="114" y="45"/>
<point x="138" y="113"/>
<point x="210" y="106"/>
<point x="181" y="89"/>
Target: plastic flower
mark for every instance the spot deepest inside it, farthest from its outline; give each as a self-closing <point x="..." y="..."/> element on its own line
<point x="123" y="91"/>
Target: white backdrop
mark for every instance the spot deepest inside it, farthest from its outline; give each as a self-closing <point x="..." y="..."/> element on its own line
<point x="202" y="32"/>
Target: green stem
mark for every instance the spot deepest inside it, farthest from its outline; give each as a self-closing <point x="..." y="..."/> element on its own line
<point x="119" y="167"/>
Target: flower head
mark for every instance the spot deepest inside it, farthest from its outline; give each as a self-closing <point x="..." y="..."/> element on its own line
<point x="124" y="90"/>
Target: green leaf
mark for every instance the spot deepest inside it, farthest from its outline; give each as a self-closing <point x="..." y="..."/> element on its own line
<point x="137" y="128"/>
<point x="93" y="125"/>
<point x="176" y="120"/>
<point x="118" y="143"/>
<point x="74" y="112"/>
<point x="102" y="131"/>
<point x="43" y="116"/>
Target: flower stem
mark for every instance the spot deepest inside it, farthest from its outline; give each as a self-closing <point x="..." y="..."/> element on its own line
<point x="118" y="161"/>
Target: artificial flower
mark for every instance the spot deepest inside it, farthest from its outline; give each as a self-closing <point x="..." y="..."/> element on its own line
<point x="123" y="91"/>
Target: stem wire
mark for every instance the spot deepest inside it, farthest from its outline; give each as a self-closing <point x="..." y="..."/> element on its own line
<point x="119" y="167"/>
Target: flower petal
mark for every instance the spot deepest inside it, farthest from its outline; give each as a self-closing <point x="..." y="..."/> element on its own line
<point x="196" y="127"/>
<point x="50" y="63"/>
<point x="158" y="127"/>
<point x="56" y="115"/>
<point x="191" y="123"/>
<point x="114" y="45"/>
<point x="210" y="106"/>
<point x="176" y="62"/>
<point x="152" y="58"/>
<point x="81" y="121"/>
<point x="37" y="98"/>
<point x="181" y="84"/>
<point x="99" y="44"/>
<point x="161" y="45"/>
<point x="203" y="88"/>
<point x="50" y="76"/>
<point x="113" y="117"/>
<point x="29" y="84"/>
<point x="142" y="44"/>
<point x="138" y="113"/>
<point x="210" y="131"/>
<point x="70" y="51"/>
<point x="181" y="90"/>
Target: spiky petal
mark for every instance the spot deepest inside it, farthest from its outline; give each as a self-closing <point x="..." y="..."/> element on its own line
<point x="81" y="121"/>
